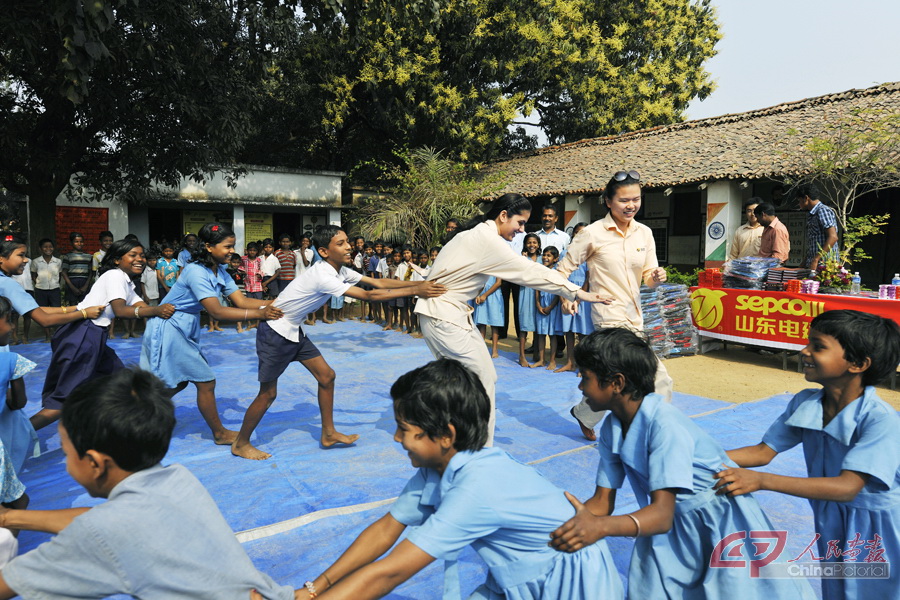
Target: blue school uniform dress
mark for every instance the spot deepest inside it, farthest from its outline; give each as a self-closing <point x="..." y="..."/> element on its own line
<point x="18" y="436"/>
<point x="581" y="322"/>
<point x="527" y="309"/>
<point x="863" y="437"/>
<point x="171" y="347"/>
<point x="545" y="324"/>
<point x="491" y="311"/>
<point x="665" y="449"/>
<point x="505" y="510"/>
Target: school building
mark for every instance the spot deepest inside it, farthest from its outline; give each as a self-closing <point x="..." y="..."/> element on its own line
<point x="265" y="202"/>
<point x="698" y="174"/>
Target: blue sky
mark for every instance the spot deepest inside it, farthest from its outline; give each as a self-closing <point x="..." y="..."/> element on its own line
<point x="776" y="51"/>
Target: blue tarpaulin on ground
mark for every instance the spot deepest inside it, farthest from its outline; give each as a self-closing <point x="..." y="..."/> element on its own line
<point x="297" y="511"/>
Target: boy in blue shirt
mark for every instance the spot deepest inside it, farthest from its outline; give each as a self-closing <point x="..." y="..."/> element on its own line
<point x="159" y="535"/>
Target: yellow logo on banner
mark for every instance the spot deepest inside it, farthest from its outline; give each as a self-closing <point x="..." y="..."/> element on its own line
<point x="706" y="306"/>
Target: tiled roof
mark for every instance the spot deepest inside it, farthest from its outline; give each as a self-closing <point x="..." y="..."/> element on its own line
<point x="750" y="145"/>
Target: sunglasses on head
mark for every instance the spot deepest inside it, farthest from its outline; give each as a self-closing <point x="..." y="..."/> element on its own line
<point x="623" y="175"/>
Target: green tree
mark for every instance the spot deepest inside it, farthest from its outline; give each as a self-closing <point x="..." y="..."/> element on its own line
<point x="114" y="96"/>
<point x="368" y="77"/>
<point x="424" y="190"/>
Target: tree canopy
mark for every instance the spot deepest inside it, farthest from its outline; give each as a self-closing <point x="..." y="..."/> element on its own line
<point x="115" y="95"/>
<point x="363" y="78"/>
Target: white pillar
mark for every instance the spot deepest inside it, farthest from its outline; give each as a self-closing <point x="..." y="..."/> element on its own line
<point x="334" y="216"/>
<point x="724" y="201"/>
<point x="576" y="209"/>
<point x="239" y="229"/>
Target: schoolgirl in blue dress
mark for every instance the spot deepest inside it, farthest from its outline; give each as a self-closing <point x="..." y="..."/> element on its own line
<point x="852" y="449"/>
<point x="80" y="352"/>
<point x="671" y="464"/>
<point x="489" y="311"/>
<point x="465" y="494"/>
<point x="580" y="322"/>
<point x="171" y="347"/>
<point x="16" y="433"/>
<point x="544" y="317"/>
<point x="13" y="258"/>
<point x="531" y="249"/>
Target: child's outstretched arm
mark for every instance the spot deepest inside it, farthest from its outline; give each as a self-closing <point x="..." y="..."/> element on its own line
<point x="753" y="456"/>
<point x="842" y="488"/>
<point x="47" y="521"/>
<point x="586" y="527"/>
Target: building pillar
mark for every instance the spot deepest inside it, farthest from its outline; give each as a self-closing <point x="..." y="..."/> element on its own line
<point x="576" y="209"/>
<point x="139" y="223"/>
<point x="239" y="229"/>
<point x="334" y="216"/>
<point x="724" y="201"/>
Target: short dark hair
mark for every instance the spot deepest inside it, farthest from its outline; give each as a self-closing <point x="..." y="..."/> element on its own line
<point x="613" y="350"/>
<point x="552" y="250"/>
<point x="323" y="235"/>
<point x="752" y="201"/>
<point x="212" y="234"/>
<point x="45" y="240"/>
<point x="764" y="208"/>
<point x="128" y="415"/>
<point x="807" y="189"/>
<point x="7" y="312"/>
<point x="863" y="335"/>
<point x="74" y="235"/>
<point x="442" y="393"/>
<point x="252" y="245"/>
<point x="285" y="235"/>
<point x="106" y="234"/>
<point x="552" y="207"/>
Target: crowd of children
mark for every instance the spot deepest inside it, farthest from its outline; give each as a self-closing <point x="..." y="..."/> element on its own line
<point x="116" y="423"/>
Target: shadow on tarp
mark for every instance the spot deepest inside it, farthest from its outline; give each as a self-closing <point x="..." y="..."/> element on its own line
<point x="532" y="425"/>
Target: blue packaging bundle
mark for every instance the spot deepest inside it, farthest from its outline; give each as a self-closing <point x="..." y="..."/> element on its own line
<point x="748" y="273"/>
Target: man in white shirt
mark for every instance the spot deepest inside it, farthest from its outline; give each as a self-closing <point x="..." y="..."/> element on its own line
<point x="549" y="234"/>
<point x="748" y="236"/>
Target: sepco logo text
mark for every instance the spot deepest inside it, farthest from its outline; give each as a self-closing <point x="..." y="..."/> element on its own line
<point x="786" y="306"/>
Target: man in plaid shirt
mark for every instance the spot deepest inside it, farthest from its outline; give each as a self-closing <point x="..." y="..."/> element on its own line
<point x="821" y="226"/>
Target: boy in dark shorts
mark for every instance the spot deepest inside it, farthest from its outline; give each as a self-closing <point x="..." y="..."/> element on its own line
<point x="158" y="535"/>
<point x="281" y="342"/>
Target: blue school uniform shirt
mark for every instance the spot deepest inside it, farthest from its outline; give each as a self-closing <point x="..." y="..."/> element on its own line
<point x="664" y="449"/>
<point x="16" y="294"/>
<point x="505" y="510"/>
<point x="159" y="536"/>
<point x="196" y="283"/>
<point x="863" y="437"/>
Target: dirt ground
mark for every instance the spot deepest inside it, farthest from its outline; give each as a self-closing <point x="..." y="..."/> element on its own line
<point x="736" y="374"/>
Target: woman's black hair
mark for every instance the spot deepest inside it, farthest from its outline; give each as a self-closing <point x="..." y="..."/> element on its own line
<point x="212" y="234"/>
<point x="552" y="250"/>
<point x="863" y="335"/>
<point x="614" y="350"/>
<point x="513" y="204"/>
<point x="117" y="250"/>
<point x="442" y="393"/>
<point x="74" y="235"/>
<point x="613" y="185"/>
<point x="10" y="242"/>
<point x="44" y="241"/>
<point x="7" y="311"/>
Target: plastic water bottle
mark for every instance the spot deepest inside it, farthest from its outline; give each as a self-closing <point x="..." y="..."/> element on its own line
<point x="896" y="279"/>
<point x="855" y="282"/>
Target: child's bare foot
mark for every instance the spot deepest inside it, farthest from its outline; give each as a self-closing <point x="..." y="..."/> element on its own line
<point x="327" y="321"/>
<point x="537" y="364"/>
<point x="386" y="328"/>
<point x="586" y="431"/>
<point x="565" y="367"/>
<point x="225" y="437"/>
<point x="335" y="437"/>
<point x="112" y="336"/>
<point x="523" y="362"/>
<point x="495" y="354"/>
<point x="217" y="328"/>
<point x="551" y="366"/>
<point x="210" y="330"/>
<point x="249" y="451"/>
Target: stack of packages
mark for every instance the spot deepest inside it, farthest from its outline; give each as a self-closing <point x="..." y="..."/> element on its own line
<point x="668" y="326"/>
<point x="748" y="273"/>
<point x="777" y="279"/>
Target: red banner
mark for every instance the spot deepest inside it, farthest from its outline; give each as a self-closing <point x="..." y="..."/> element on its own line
<point x="772" y="319"/>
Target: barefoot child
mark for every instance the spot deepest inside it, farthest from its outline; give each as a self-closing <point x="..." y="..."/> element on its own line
<point x="531" y="246"/>
<point x="851" y="444"/>
<point x="282" y="342"/>
<point x="171" y="347"/>
<point x="489" y="311"/>
<point x="670" y="463"/>
<point x="158" y="535"/>
<point x="80" y="352"/>
<point x="465" y="494"/>
<point x="578" y="323"/>
<point x="544" y="321"/>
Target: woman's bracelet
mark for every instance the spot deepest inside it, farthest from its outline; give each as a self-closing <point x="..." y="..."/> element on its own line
<point x="137" y="312"/>
<point x="64" y="309"/>
<point x="327" y="579"/>
<point x="311" y="588"/>
<point x="84" y="314"/>
<point x="246" y="313"/>
<point x="637" y="523"/>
